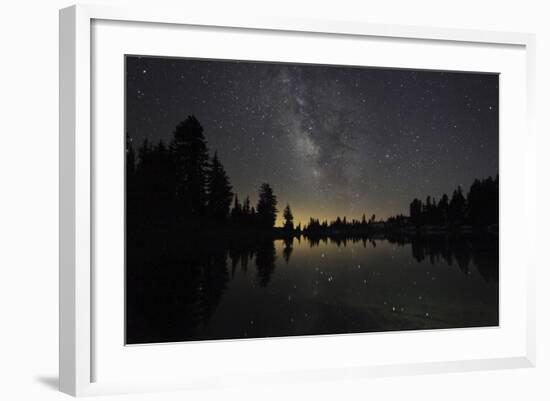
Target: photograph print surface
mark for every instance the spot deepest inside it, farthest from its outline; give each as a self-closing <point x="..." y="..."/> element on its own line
<point x="274" y="199"/>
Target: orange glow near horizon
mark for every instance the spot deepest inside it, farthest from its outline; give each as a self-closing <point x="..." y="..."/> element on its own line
<point x="302" y="216"/>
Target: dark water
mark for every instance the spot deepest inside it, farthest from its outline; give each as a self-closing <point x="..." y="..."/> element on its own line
<point x="221" y="289"/>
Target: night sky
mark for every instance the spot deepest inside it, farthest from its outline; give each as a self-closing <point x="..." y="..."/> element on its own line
<point x="330" y="140"/>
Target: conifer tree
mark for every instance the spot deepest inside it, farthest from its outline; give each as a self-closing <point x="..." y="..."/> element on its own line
<point x="289" y="218"/>
<point x="190" y="153"/>
<point x="219" y="194"/>
<point x="267" y="207"/>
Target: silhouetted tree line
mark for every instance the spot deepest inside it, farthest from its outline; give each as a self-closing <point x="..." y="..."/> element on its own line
<point x="243" y="215"/>
<point x="339" y="225"/>
<point x="479" y="208"/>
<point x="180" y="185"/>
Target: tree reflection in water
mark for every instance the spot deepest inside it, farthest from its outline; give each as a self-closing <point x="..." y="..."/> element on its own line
<point x="174" y="287"/>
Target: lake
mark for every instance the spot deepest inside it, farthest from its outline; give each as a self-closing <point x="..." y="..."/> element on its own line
<point x="264" y="287"/>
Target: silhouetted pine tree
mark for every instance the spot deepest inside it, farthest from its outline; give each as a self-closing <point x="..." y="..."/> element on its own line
<point x="428" y="210"/>
<point x="289" y="218"/>
<point x="152" y="187"/>
<point x="443" y="210"/>
<point x="482" y="201"/>
<point x="267" y="207"/>
<point x="190" y="154"/>
<point x="163" y="184"/>
<point x="248" y="213"/>
<point x="246" y="206"/>
<point x="415" y="211"/>
<point x="457" y="207"/>
<point x="144" y="178"/>
<point x="219" y="194"/>
<point x="237" y="211"/>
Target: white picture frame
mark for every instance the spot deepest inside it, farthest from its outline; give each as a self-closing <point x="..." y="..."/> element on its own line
<point x="78" y="281"/>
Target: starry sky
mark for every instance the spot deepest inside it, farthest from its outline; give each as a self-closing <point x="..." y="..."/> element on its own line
<point x="330" y="140"/>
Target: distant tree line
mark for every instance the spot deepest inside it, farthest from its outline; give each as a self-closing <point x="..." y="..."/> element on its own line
<point x="315" y="226"/>
<point x="478" y="208"/>
<point x="181" y="185"/>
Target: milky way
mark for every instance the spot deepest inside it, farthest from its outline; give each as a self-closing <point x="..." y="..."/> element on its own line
<point x="331" y="140"/>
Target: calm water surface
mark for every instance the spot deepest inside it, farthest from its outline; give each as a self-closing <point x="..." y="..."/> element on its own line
<point x="304" y="287"/>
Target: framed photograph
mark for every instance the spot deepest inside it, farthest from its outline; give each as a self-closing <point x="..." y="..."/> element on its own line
<point x="271" y="200"/>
